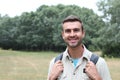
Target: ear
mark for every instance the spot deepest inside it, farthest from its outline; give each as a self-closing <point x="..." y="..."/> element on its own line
<point x="62" y="34"/>
<point x="83" y="34"/>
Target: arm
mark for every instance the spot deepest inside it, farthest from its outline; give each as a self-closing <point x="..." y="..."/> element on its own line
<point x="99" y="71"/>
<point x="103" y="69"/>
<point x="55" y="70"/>
<point x="92" y="72"/>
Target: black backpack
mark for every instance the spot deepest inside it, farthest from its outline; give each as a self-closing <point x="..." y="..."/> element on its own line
<point x="94" y="58"/>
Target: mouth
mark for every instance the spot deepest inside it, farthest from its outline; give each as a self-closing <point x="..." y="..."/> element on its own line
<point x="72" y="40"/>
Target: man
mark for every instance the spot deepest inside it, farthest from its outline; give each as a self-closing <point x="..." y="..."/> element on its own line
<point x="76" y="57"/>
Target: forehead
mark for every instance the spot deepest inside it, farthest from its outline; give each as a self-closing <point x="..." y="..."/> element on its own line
<point x="71" y="25"/>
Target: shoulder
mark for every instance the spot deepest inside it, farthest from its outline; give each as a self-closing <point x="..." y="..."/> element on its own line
<point x="103" y="69"/>
<point x="101" y="64"/>
<point x="101" y="61"/>
<point x="52" y="61"/>
<point x="51" y="65"/>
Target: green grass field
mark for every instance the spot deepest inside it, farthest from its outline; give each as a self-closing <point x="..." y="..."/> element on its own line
<point x="18" y="65"/>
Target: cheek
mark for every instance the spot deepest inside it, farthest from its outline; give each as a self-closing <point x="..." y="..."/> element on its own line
<point x="64" y="37"/>
<point x="81" y="35"/>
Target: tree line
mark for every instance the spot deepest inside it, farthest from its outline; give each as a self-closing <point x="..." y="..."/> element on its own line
<point x="41" y="30"/>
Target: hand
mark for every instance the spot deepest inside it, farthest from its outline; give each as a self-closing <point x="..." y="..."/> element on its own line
<point x="56" y="70"/>
<point x="91" y="71"/>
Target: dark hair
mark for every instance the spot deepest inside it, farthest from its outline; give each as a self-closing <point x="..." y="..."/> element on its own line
<point x="72" y="18"/>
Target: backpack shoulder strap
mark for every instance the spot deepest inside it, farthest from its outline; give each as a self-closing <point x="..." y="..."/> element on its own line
<point x="94" y="58"/>
<point x="59" y="57"/>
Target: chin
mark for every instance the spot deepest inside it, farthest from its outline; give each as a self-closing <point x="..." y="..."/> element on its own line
<point x="73" y="46"/>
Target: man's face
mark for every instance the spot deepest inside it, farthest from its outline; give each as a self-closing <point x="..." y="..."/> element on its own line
<point x="72" y="33"/>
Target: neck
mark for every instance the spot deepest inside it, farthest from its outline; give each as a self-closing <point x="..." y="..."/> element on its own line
<point x="76" y="52"/>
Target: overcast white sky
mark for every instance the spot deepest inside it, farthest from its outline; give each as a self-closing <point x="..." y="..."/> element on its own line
<point x="16" y="7"/>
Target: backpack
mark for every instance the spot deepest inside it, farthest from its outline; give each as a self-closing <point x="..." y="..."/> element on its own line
<point x="94" y="58"/>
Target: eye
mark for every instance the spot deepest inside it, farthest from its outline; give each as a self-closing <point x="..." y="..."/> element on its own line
<point x="67" y="31"/>
<point x="76" y="30"/>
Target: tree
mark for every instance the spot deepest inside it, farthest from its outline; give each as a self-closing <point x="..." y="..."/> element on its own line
<point x="6" y="35"/>
<point x="111" y="10"/>
<point x="41" y="29"/>
<point x="110" y="34"/>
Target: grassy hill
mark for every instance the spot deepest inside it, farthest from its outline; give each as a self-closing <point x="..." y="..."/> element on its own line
<point x="19" y="65"/>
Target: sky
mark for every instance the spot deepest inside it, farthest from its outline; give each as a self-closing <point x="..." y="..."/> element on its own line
<point x="17" y="7"/>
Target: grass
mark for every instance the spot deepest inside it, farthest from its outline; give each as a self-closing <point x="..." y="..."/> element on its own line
<point x="18" y="65"/>
<point x="114" y="67"/>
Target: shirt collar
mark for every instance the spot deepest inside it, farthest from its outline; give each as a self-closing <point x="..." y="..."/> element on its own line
<point x="86" y="54"/>
<point x="66" y="54"/>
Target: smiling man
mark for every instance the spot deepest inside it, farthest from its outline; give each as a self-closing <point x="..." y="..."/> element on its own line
<point x="76" y="63"/>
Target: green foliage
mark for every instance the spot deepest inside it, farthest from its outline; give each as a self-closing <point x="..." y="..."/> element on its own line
<point x="41" y="30"/>
<point x="6" y="32"/>
<point x="111" y="10"/>
<point x="109" y="40"/>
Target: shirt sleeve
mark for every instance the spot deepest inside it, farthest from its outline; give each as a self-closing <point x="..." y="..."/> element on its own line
<point x="103" y="69"/>
<point x="50" y="66"/>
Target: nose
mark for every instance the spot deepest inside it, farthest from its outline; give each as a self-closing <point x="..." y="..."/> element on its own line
<point x="72" y="33"/>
